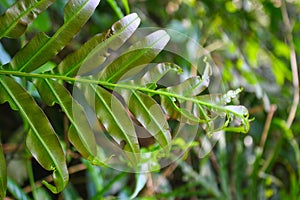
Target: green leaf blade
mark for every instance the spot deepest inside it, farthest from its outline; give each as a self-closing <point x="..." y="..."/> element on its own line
<point x="14" y="22"/>
<point x="139" y="54"/>
<point x="42" y="47"/>
<point x="94" y="52"/>
<point x="150" y="115"/>
<point x="193" y="85"/>
<point x="80" y="133"/>
<point x="152" y="76"/>
<point x="116" y="120"/>
<point x="41" y="139"/>
<point x="174" y="111"/>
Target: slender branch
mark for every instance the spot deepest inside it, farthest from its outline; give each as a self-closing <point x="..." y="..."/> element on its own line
<point x="267" y="126"/>
<point x="294" y="68"/>
<point x="125" y="86"/>
<point x="72" y="170"/>
<point x="293" y="61"/>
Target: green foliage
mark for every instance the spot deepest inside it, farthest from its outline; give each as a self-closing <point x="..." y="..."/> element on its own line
<point x="41" y="139"/>
<point x="16" y="19"/>
<point x="124" y="92"/>
<point x="3" y="178"/>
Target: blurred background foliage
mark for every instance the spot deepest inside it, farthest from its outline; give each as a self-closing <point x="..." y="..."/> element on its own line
<point x="253" y="43"/>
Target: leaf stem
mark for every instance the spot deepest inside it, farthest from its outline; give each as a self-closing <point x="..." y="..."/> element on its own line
<point x="109" y="85"/>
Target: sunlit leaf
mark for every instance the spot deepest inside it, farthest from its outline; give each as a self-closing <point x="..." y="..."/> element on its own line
<point x="14" y="22"/>
<point x="94" y="52"/>
<point x="41" y="139"/>
<point x="138" y="55"/>
<point x="48" y="66"/>
<point x="42" y="47"/>
<point x="3" y="176"/>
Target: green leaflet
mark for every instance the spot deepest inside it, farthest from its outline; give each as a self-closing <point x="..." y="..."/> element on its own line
<point x="137" y="56"/>
<point x="215" y="107"/>
<point x="41" y="139"/>
<point x="80" y="133"/>
<point x="192" y="86"/>
<point x="3" y="176"/>
<point x="238" y="110"/>
<point x="150" y="115"/>
<point x="94" y="52"/>
<point x="14" y="22"/>
<point x="115" y="119"/>
<point x="42" y="47"/>
<point x="152" y="76"/>
<point x="220" y="99"/>
<point x="174" y="111"/>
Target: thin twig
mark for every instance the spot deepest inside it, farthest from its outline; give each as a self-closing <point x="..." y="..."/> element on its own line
<point x="293" y="61"/>
<point x="267" y="126"/>
<point x="72" y="170"/>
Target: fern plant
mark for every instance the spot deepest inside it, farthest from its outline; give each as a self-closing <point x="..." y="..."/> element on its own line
<point x="118" y="99"/>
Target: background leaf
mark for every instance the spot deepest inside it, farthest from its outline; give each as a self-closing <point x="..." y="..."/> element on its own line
<point x="14" y="22"/>
<point x="41" y="139"/>
<point x="3" y="175"/>
<point x="141" y="180"/>
<point x="16" y="190"/>
<point x="116" y="8"/>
